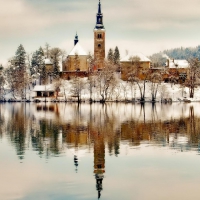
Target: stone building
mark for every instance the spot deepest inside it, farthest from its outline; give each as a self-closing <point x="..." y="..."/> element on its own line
<point x="99" y="39"/>
<point x="132" y="61"/>
<point x="76" y="63"/>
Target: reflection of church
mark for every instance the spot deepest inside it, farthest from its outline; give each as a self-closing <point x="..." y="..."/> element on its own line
<point x="77" y="62"/>
<point x="99" y="160"/>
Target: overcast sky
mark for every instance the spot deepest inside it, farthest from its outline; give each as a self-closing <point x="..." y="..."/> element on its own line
<point x="145" y="26"/>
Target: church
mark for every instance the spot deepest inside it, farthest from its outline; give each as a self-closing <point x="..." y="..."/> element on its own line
<point x="77" y="62"/>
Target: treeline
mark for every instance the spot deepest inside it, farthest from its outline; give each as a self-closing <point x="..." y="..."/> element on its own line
<point x="182" y="53"/>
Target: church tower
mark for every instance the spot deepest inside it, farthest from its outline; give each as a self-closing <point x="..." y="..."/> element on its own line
<point x="99" y="39"/>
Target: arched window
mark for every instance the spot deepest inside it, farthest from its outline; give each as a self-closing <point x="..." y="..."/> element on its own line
<point x="99" y="45"/>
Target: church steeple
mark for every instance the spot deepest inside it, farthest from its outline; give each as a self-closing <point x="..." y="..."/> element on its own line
<point x="75" y="39"/>
<point x="99" y="39"/>
<point x="99" y="18"/>
<point x="99" y="11"/>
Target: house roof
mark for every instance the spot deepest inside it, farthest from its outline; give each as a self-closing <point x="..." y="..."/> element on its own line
<point x="178" y="64"/>
<point x="142" y="57"/>
<point x="77" y="49"/>
<point x="47" y="61"/>
<point x="42" y="88"/>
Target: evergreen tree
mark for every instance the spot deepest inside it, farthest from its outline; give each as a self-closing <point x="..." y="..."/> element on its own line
<point x="41" y="64"/>
<point x="55" y="55"/>
<point x="110" y="56"/>
<point x="20" y="57"/>
<point x="38" y="64"/>
<point x="116" y="56"/>
<point x="21" y="71"/>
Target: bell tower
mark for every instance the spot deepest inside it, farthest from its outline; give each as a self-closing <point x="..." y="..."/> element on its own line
<point x="99" y="39"/>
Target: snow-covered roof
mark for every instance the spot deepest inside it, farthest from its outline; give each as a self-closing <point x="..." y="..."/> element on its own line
<point x="142" y="57"/>
<point x="42" y="88"/>
<point x="178" y="64"/>
<point x="77" y="49"/>
<point x="47" y="61"/>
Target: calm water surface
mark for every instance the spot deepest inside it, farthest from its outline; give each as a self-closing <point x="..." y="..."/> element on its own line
<point x="113" y="151"/>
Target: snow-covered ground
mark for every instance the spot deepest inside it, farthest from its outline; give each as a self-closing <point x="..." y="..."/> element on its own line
<point x="124" y="91"/>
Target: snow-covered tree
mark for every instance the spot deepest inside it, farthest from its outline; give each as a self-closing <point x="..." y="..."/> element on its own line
<point x="155" y="79"/>
<point x="2" y="82"/>
<point x="134" y="73"/>
<point x="105" y="79"/>
<point x="20" y="69"/>
<point x="158" y="60"/>
<point x="77" y="87"/>
<point x="38" y="65"/>
<point x="193" y="80"/>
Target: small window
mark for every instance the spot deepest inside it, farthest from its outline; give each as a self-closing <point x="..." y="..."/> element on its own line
<point x="99" y="166"/>
<point x="99" y="36"/>
<point x="99" y="45"/>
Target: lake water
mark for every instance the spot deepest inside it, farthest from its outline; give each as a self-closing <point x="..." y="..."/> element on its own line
<point x="113" y="151"/>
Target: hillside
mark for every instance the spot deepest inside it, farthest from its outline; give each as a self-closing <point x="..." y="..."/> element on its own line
<point x="182" y="53"/>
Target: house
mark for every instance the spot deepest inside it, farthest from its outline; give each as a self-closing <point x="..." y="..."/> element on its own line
<point x="178" y="69"/>
<point x="135" y="61"/>
<point x="44" y="90"/>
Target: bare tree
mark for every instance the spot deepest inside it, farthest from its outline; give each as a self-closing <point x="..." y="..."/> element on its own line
<point x="57" y="85"/>
<point x="136" y="74"/>
<point x="65" y="87"/>
<point x="77" y="86"/>
<point x="105" y="78"/>
<point x="2" y="82"/>
<point x="158" y="60"/>
<point x="125" y="88"/>
<point x="193" y="80"/>
<point x="117" y="91"/>
<point x="155" y="79"/>
<point x="47" y="50"/>
<point x="163" y="92"/>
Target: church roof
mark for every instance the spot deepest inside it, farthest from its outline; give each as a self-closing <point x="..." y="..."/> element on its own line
<point x="142" y="57"/>
<point x="77" y="49"/>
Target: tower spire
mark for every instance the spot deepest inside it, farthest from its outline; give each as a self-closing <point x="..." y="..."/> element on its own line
<point x="99" y="11"/>
<point x="75" y="39"/>
<point x="99" y="18"/>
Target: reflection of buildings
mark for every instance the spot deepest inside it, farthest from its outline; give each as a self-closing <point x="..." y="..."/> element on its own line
<point x="48" y="134"/>
<point x="99" y="160"/>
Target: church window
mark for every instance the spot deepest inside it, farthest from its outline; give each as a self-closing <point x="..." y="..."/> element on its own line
<point x="99" y="35"/>
<point x="99" y="45"/>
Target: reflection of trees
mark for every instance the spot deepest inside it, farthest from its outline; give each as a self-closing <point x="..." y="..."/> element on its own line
<point x="16" y="128"/>
<point x="48" y="136"/>
<point x="2" y="122"/>
<point x="46" y="140"/>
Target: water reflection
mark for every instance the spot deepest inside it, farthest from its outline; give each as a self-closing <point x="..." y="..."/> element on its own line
<point x="51" y="129"/>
